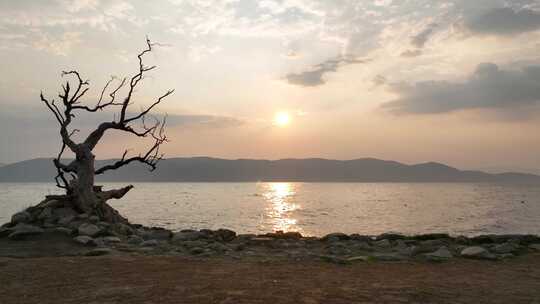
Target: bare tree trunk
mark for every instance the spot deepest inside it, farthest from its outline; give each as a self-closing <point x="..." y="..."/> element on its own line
<point x="83" y="186"/>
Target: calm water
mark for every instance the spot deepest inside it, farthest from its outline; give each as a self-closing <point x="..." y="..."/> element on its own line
<point x="317" y="208"/>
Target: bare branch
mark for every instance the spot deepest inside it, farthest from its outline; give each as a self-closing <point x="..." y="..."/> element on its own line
<point x="116" y="193"/>
<point x="150" y="107"/>
<point x="151" y="157"/>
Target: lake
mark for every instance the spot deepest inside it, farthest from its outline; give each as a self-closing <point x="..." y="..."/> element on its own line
<point x="316" y="208"/>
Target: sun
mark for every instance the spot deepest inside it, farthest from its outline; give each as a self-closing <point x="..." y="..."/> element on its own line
<point x="282" y="119"/>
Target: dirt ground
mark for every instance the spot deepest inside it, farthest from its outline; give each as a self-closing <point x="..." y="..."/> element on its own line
<point x="156" y="279"/>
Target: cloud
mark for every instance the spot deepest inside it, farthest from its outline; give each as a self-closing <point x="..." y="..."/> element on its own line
<point x="411" y="53"/>
<point x="504" y="21"/>
<point x="488" y="87"/>
<point x="379" y="80"/>
<point x="315" y="76"/>
<point x="58" y="45"/>
<point x="33" y="119"/>
<point x="207" y="121"/>
<point x="420" y="39"/>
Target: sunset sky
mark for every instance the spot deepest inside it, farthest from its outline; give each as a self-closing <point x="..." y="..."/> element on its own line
<point x="456" y="82"/>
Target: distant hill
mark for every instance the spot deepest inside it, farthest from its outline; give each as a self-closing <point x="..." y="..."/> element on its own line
<point x="205" y="169"/>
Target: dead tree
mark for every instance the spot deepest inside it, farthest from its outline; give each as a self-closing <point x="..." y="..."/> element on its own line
<point x="77" y="177"/>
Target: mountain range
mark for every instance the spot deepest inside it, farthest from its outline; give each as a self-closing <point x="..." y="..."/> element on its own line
<point x="205" y="169"/>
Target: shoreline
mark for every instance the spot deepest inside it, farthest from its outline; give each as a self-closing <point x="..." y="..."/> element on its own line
<point x="52" y="228"/>
<point x="27" y="241"/>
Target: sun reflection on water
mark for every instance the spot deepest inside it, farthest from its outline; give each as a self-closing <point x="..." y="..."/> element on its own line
<point x="281" y="208"/>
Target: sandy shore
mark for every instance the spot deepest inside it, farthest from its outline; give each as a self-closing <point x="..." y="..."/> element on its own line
<point x="161" y="279"/>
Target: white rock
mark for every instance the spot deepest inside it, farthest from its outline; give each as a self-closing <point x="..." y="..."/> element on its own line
<point x="441" y="253"/>
<point x="85" y="240"/>
<point x="112" y="239"/>
<point x="477" y="252"/>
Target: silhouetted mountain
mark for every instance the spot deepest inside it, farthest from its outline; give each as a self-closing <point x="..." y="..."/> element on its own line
<point x="205" y="169"/>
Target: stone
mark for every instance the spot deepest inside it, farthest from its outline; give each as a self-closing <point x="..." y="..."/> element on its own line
<point x="134" y="240"/>
<point x="363" y="246"/>
<point x="336" y="236"/>
<point x="186" y="236"/>
<point x="388" y="257"/>
<point x="245" y="237"/>
<point x="99" y="251"/>
<point x="441" y="254"/>
<point x="21" y="231"/>
<point x="334" y="259"/>
<point x="261" y="241"/>
<point x="359" y="237"/>
<point x="505" y="248"/>
<point x="93" y="219"/>
<point x="239" y="247"/>
<point x="48" y="225"/>
<point x="112" y="240"/>
<point x="360" y="258"/>
<point x="83" y="216"/>
<point x="218" y="247"/>
<point x="399" y="245"/>
<point x="224" y="235"/>
<point x="338" y="249"/>
<point x="155" y="234"/>
<point x="5" y="231"/>
<point x="107" y="225"/>
<point x="74" y="224"/>
<point x="477" y="252"/>
<point x="85" y="240"/>
<point x="46" y="213"/>
<point x="63" y="212"/>
<point x="89" y="229"/>
<point x="384" y="243"/>
<point x="408" y="251"/>
<point x="51" y="203"/>
<point x="63" y="230"/>
<point x="505" y="256"/>
<point x="150" y="243"/>
<point x="433" y="243"/>
<point x="535" y="247"/>
<point x="21" y="217"/>
<point x="196" y="250"/>
<point x="191" y="244"/>
<point x="66" y="220"/>
<point x="291" y="235"/>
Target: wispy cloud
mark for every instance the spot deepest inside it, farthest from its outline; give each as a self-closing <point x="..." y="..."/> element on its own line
<point x="315" y="76"/>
